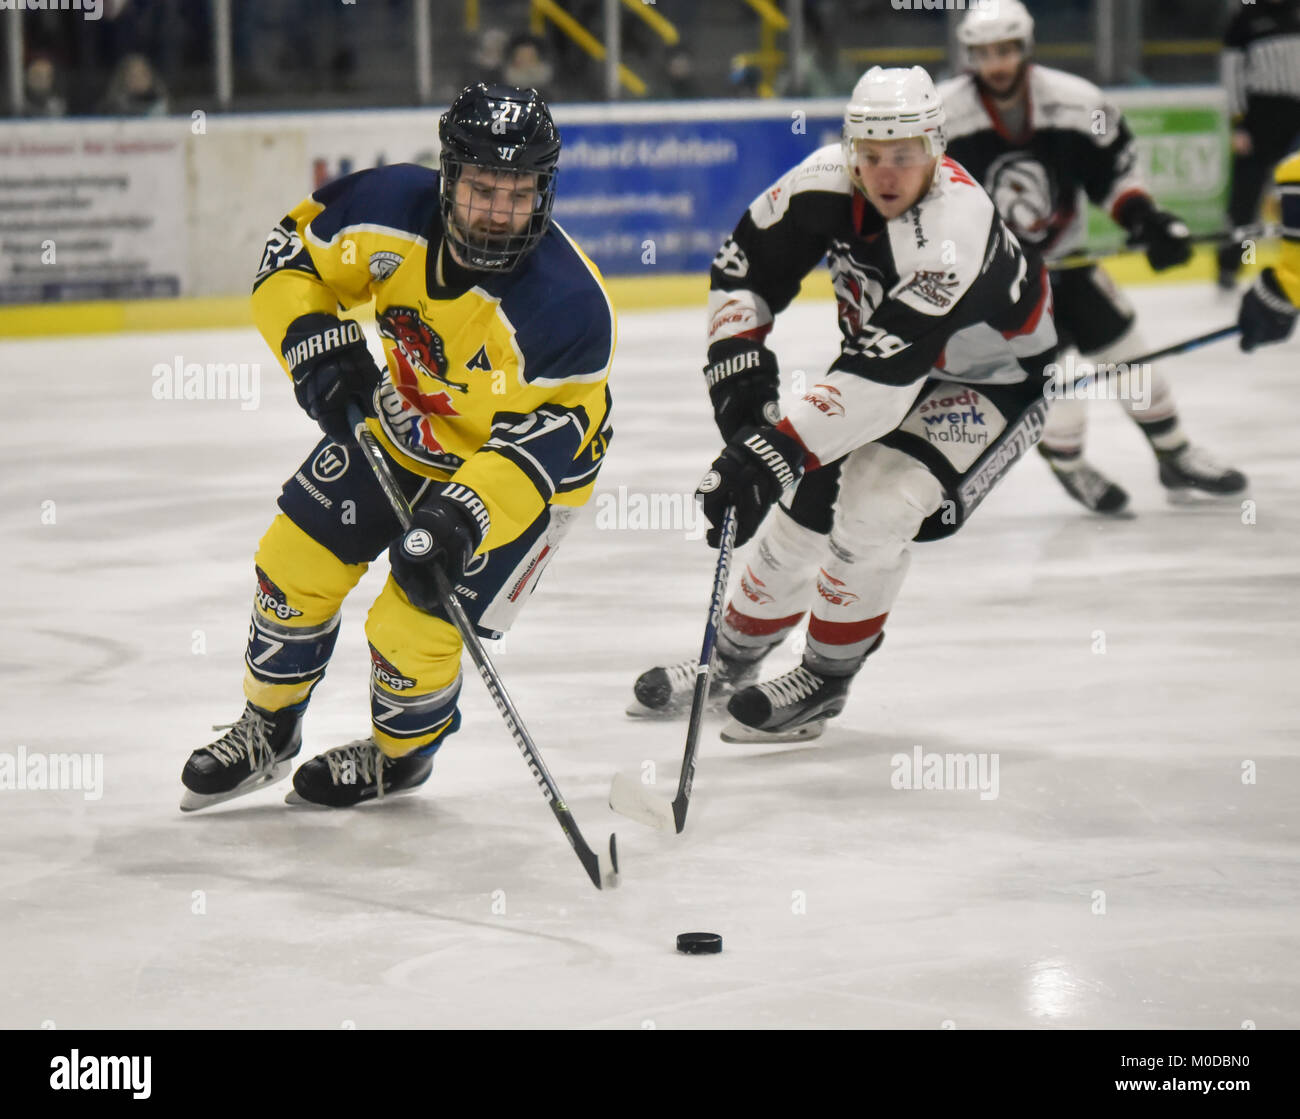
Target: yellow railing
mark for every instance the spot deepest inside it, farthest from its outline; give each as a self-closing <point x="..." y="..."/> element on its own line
<point x="471" y="15"/>
<point x="771" y="21"/>
<point x="542" y="10"/>
<point x="661" y="26"/>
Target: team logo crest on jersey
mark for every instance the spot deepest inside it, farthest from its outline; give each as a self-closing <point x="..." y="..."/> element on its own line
<point x="1026" y="194"/>
<point x="418" y="351"/>
<point x="386" y="673"/>
<point x="270" y="598"/>
<point x="833" y="590"/>
<point x="383" y="265"/>
<point x="858" y="289"/>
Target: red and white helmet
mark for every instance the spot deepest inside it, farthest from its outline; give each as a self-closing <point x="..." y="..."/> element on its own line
<point x="895" y="104"/>
<point x="996" y="21"/>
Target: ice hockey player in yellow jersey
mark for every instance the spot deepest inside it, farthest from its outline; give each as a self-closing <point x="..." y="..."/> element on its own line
<point x="493" y="406"/>
<point x="1270" y="306"/>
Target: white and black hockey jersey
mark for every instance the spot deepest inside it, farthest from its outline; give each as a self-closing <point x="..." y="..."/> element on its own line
<point x="1261" y="54"/>
<point x="1075" y="147"/>
<point x="943" y="290"/>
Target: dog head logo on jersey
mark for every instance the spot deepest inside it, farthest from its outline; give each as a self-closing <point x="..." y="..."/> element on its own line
<point x="418" y="350"/>
<point x="270" y="598"/>
<point x="858" y="289"/>
<point x="418" y="347"/>
<point x="1028" y="197"/>
<point x="387" y="674"/>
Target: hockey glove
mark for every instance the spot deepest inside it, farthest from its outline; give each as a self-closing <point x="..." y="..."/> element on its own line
<point x="331" y="365"/>
<point x="445" y="532"/>
<point x="754" y="469"/>
<point x="1266" y="314"/>
<point x="744" y="383"/>
<point x="1167" y="239"/>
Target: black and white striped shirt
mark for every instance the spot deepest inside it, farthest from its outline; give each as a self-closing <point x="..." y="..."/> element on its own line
<point x="1261" y="52"/>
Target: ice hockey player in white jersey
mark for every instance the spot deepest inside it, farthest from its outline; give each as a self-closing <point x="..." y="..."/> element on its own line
<point x="938" y="389"/>
<point x="1043" y="143"/>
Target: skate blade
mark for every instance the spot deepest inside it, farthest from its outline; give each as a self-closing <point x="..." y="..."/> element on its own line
<point x="738" y="732"/>
<point x="638" y="710"/>
<point x="1190" y="498"/>
<point x="194" y="802"/>
<point x="296" y="799"/>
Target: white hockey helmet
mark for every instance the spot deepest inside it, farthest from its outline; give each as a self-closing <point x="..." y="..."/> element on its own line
<point x="894" y="104"/>
<point x="996" y="21"/>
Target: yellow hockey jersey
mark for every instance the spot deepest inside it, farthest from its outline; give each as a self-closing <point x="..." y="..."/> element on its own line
<point x="1288" y="264"/>
<point x="502" y="385"/>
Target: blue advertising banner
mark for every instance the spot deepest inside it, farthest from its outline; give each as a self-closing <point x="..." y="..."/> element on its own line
<point x="662" y="196"/>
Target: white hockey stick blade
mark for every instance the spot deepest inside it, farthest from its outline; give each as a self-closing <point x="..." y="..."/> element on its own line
<point x="629" y="797"/>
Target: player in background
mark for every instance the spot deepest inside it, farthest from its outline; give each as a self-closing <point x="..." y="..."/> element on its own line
<point x="1261" y="74"/>
<point x="1043" y="143"/>
<point x="938" y="388"/>
<point x="493" y="407"/>
<point x="1269" y="307"/>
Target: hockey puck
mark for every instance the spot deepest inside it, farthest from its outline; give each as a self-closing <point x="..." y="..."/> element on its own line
<point x="699" y="943"/>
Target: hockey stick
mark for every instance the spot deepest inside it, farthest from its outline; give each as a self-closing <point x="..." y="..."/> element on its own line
<point x="1221" y="237"/>
<point x="627" y="795"/>
<point x="1168" y="351"/>
<point x="602" y="871"/>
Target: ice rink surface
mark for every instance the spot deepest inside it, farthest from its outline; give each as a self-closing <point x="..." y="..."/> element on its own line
<point x="1135" y="680"/>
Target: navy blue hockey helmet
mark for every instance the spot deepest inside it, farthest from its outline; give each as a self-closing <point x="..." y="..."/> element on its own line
<point x="499" y="151"/>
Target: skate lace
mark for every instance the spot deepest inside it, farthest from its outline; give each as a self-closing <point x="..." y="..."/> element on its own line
<point x="356" y="763"/>
<point x="245" y="738"/>
<point x="681" y="677"/>
<point x="795" y="685"/>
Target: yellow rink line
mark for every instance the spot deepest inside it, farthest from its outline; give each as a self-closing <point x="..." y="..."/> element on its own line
<point x="634" y="293"/>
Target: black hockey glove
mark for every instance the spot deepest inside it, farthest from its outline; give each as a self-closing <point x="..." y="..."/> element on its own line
<point x="447" y="530"/>
<point x="744" y="384"/>
<point x="331" y="365"/>
<point x="1166" y="237"/>
<point x="754" y="469"/>
<point x="1266" y="314"/>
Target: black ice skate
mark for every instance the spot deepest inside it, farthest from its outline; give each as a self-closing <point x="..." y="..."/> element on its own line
<point x="666" y="692"/>
<point x="1189" y="473"/>
<point x="255" y="751"/>
<point x="357" y="772"/>
<point x="792" y="707"/>
<point x="1087" y="485"/>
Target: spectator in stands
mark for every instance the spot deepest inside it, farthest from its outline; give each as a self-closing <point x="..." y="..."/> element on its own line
<point x="679" y="67"/>
<point x="489" y="57"/>
<point x="40" y="99"/>
<point x="527" y="66"/>
<point x="135" y="90"/>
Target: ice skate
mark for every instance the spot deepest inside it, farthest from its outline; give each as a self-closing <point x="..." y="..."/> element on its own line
<point x="1087" y="485"/>
<point x="1190" y="474"/>
<point x="348" y="775"/>
<point x="255" y="751"/>
<point x="793" y="707"/>
<point x="666" y="692"/>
